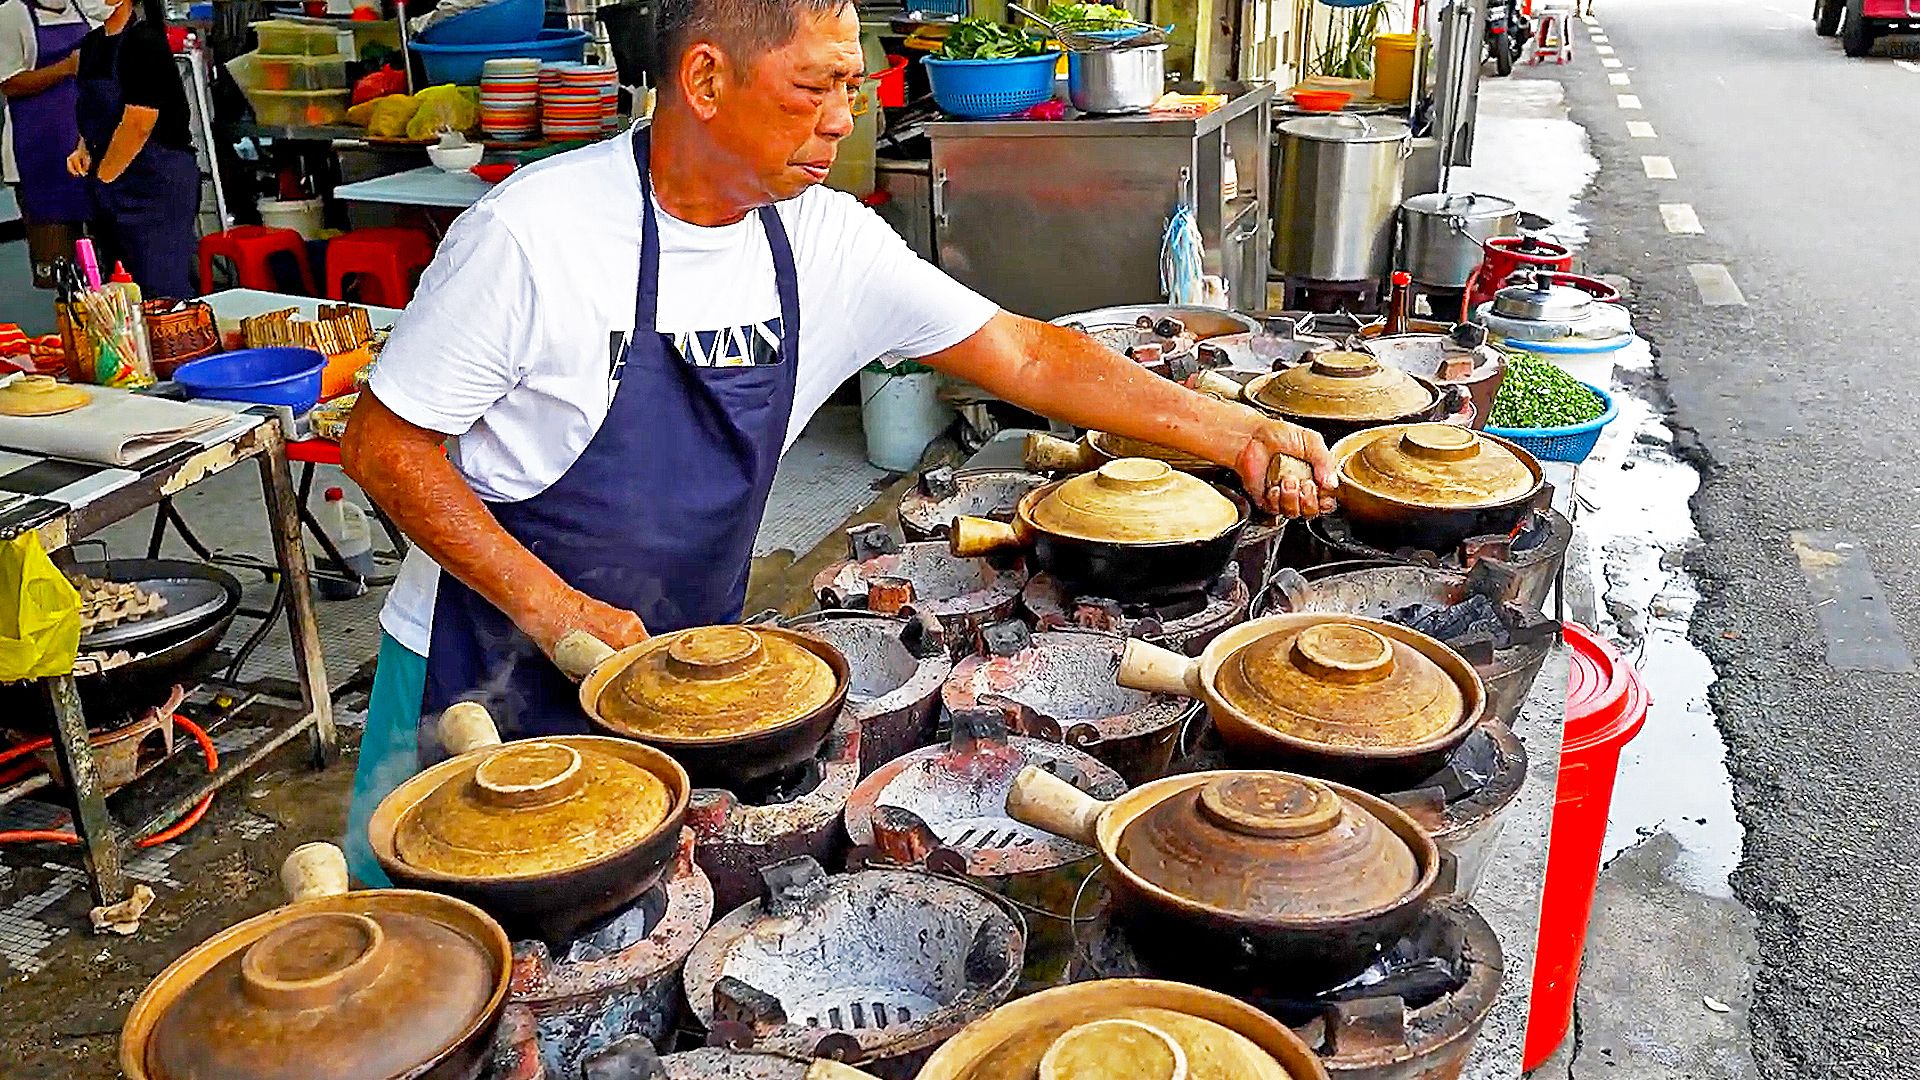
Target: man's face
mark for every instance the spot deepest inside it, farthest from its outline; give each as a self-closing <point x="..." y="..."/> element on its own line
<point x="784" y="116"/>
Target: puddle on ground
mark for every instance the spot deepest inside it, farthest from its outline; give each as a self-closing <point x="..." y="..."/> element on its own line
<point x="1673" y="776"/>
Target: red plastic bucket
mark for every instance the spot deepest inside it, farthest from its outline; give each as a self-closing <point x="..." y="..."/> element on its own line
<point x="893" y="82"/>
<point x="1606" y="707"/>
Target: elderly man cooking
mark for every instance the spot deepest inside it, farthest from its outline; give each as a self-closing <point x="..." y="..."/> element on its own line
<point x="622" y="340"/>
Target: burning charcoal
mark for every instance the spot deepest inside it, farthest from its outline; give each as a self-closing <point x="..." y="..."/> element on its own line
<point x="1474" y="614"/>
<point x="1468" y="768"/>
<point x="632" y="1058"/>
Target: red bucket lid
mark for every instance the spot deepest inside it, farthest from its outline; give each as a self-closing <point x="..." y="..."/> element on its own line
<point x="1606" y="702"/>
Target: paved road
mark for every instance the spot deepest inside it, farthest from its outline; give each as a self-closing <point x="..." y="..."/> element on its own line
<point x="1803" y="169"/>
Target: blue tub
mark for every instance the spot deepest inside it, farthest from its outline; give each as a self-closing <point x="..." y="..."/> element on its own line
<point x="276" y="376"/>
<point x="499" y="21"/>
<point x="461" y="64"/>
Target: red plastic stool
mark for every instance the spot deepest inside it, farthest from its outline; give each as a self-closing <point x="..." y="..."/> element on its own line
<point x="386" y="260"/>
<point x="249" y="247"/>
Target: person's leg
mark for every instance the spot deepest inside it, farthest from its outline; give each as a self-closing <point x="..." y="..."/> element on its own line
<point x="389" y="748"/>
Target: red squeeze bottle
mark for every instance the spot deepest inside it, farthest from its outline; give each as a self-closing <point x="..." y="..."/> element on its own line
<point x="1399" y="303"/>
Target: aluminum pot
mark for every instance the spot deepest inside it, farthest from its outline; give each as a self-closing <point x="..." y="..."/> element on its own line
<point x="1337" y="181"/>
<point x="1117" y="80"/>
<point x="1442" y="235"/>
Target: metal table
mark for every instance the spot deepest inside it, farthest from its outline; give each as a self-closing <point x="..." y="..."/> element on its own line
<point x="426" y="186"/>
<point x="64" y="502"/>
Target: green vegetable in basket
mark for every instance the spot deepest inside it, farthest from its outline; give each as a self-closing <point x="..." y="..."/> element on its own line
<point x="1062" y="14"/>
<point x="978" y="39"/>
<point x="1536" y="394"/>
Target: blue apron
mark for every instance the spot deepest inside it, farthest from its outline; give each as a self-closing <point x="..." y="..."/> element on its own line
<point x="45" y="132"/>
<point x="658" y="514"/>
<point x="147" y="216"/>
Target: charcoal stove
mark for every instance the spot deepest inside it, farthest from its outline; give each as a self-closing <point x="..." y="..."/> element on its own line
<point x="1463" y="805"/>
<point x="794" y="813"/>
<point x="1058" y="686"/>
<point x="897" y="665"/>
<point x="874" y="968"/>
<point x="1413" y="1015"/>
<point x="882" y="574"/>
<point x="1181" y="623"/>
<point x="927" y="511"/>
<point x="123" y="754"/>
<point x="636" y="1058"/>
<point x="619" y="978"/>
<point x="1473" y="611"/>
<point x="1536" y="554"/>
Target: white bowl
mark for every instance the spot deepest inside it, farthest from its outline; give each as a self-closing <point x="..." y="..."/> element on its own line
<point x="456" y="159"/>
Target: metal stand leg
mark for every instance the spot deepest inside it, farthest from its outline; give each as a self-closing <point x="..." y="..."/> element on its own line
<point x="165" y="515"/>
<point x="283" y="513"/>
<point x="99" y="840"/>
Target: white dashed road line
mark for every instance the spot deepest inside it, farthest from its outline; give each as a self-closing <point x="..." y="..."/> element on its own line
<point x="1603" y="50"/>
<point x="1680" y="219"/>
<point x="1598" y="38"/>
<point x="1716" y="285"/>
<point x="1619" y="78"/>
<point x="1658" y="168"/>
<point x="1608" y="61"/>
<point x="1629" y="101"/>
<point x="1640" y="129"/>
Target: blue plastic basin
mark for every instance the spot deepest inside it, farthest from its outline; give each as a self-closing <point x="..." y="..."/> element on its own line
<point x="500" y="21"/>
<point x="276" y="376"/>
<point x="461" y="64"/>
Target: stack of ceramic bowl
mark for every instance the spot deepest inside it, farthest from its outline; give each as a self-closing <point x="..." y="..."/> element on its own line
<point x="577" y="101"/>
<point x="510" y="98"/>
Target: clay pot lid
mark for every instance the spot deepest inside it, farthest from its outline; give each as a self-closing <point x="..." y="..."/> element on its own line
<point x="1341" y="684"/>
<point x="40" y="395"/>
<point x="1126" y="1042"/>
<point x="1119" y="446"/>
<point x="716" y="682"/>
<point x="1136" y="501"/>
<point x="1339" y="384"/>
<point x="1270" y="846"/>
<point x="355" y="986"/>
<point x="532" y="807"/>
<point x="1437" y="466"/>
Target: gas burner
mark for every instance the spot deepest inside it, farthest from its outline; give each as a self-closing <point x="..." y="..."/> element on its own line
<point x="1058" y="685"/>
<point x="927" y="511"/>
<point x="794" y="813"/>
<point x="896" y="667"/>
<point x="1181" y="623"/>
<point x="123" y="754"/>
<point x="875" y="968"/>
<point x="1414" y="1014"/>
<point x="619" y="978"/>
<point x="884" y="575"/>
<point x="1330" y="297"/>
<point x="1535" y="555"/>
<point x="1463" y="806"/>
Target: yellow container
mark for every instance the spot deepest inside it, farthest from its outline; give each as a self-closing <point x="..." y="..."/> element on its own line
<point x="1393" y="66"/>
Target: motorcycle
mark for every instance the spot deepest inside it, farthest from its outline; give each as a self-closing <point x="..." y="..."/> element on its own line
<point x="1508" y="31"/>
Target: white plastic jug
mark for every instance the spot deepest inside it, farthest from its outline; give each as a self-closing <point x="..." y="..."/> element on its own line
<point x="345" y="523"/>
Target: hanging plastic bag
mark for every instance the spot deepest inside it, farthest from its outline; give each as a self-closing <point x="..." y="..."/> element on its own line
<point x="444" y="108"/>
<point x="39" y="613"/>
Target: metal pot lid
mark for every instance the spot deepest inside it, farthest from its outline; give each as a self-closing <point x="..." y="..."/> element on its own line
<point x="1340" y="384"/>
<point x="1342" y="684"/>
<point x="716" y="682"/>
<point x="532" y="807"/>
<point x="370" y="984"/>
<point x="1463" y="204"/>
<point x="1436" y="466"/>
<point x="1136" y="501"/>
<point x="1346" y="128"/>
<point x="1119" y="446"/>
<point x="1270" y="845"/>
<point x="1543" y="301"/>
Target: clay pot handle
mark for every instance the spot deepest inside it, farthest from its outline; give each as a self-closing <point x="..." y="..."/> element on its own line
<point x="467" y="726"/>
<point x="972" y="537"/>
<point x="1157" y="670"/>
<point x="1045" y="801"/>
<point x="1283" y="468"/>
<point x="579" y="652"/>
<point x="1213" y="384"/>
<point x="313" y="871"/>
<point x="1047" y="453"/>
<point x="833" y="1070"/>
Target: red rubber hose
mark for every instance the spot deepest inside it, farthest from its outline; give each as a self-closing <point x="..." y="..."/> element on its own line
<point x="56" y="836"/>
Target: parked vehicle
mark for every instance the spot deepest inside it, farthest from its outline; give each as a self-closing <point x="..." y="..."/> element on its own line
<point x="1862" y="22"/>
<point x="1508" y="31"/>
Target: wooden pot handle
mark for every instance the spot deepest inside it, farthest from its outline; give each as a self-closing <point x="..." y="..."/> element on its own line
<point x="467" y="726"/>
<point x="579" y="652"/>
<point x="1048" y="453"/>
<point x="313" y="871"/>
<point x="1213" y="384"/>
<point x="1045" y="801"/>
<point x="1157" y="670"/>
<point x="972" y="537"/>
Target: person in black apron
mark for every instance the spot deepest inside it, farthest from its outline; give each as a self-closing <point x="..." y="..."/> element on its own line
<point x="41" y="105"/>
<point x="136" y="152"/>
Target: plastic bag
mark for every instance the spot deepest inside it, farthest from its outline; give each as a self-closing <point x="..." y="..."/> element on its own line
<point x="444" y="108"/>
<point x="39" y="613"/>
<point x="390" y="116"/>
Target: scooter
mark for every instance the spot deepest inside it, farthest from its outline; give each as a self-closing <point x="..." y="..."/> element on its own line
<point x="1508" y="31"/>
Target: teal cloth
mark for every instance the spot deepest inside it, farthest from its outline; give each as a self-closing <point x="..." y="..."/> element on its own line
<point x="389" y="749"/>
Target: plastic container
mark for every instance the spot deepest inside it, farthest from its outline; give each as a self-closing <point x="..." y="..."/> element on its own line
<point x="282" y="375"/>
<point x="1591" y="362"/>
<point x="345" y="524"/>
<point x="281" y="37"/>
<point x="980" y="89"/>
<point x="893" y="83"/>
<point x="461" y="64"/>
<point x="1321" y="100"/>
<point x="299" y="108"/>
<point x="1393" y="66"/>
<point x="1571" y="443"/>
<point x="260" y="71"/>
<point x="1606" y="708"/>
<point x="901" y="412"/>
<point x="304" y="216"/>
<point x="489" y="24"/>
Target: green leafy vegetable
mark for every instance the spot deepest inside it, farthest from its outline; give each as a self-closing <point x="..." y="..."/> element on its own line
<point x="1080" y="13"/>
<point x="978" y="39"/>
<point x="1536" y="394"/>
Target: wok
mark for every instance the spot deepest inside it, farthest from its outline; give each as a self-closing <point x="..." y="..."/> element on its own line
<point x="1391" y="524"/>
<point x="1250" y="742"/>
<point x="725" y="761"/>
<point x="1193" y="941"/>
<point x="548" y="905"/>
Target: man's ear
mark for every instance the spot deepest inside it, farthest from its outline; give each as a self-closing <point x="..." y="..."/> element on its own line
<point x="702" y="70"/>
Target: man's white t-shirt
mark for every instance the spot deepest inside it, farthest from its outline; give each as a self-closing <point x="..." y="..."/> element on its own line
<point x="510" y="340"/>
<point x="19" y="52"/>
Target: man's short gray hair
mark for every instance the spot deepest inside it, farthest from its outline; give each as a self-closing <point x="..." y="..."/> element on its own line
<point x="744" y="29"/>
